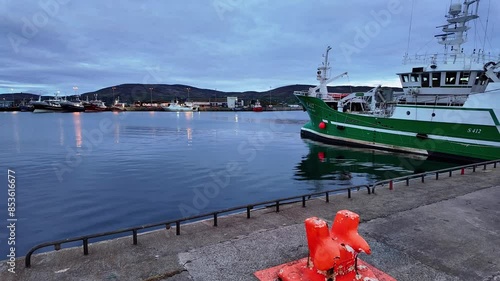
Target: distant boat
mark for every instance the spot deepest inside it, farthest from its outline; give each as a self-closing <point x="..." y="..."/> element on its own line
<point x="26" y="108"/>
<point x="72" y="106"/>
<point x="119" y="106"/>
<point x="176" y="107"/>
<point x="257" y="107"/>
<point x="94" y="105"/>
<point x="43" y="106"/>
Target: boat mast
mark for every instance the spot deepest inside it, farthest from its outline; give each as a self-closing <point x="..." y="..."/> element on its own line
<point x="455" y="30"/>
<point x="322" y="75"/>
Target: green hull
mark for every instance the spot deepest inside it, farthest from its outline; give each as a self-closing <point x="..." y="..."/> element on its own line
<point x="451" y="140"/>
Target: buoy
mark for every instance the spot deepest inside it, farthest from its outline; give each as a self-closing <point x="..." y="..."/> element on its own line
<point x="322" y="125"/>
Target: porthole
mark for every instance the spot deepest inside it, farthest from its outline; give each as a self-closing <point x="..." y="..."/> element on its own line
<point x="433" y="114"/>
<point x="407" y="113"/>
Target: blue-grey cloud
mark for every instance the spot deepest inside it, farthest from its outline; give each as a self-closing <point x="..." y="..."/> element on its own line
<point x="231" y="45"/>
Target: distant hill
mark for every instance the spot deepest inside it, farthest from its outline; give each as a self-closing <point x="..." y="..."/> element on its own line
<point x="161" y="92"/>
<point x="18" y="97"/>
<point x="131" y="93"/>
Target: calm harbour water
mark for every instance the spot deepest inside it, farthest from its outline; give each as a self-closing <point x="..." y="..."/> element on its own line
<point x="82" y="173"/>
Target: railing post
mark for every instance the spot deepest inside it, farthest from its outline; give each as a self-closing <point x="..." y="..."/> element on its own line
<point x="349" y="193"/>
<point x="85" y="246"/>
<point x="473" y="168"/>
<point x="134" y="236"/>
<point x="277" y="206"/>
<point x="437" y="175"/>
<point x="303" y="201"/>
<point x="423" y="178"/>
<point x="177" y="228"/>
<point x="27" y="261"/>
<point x="215" y="219"/>
<point x="451" y="173"/>
<point x="327" y="197"/>
<point x="407" y="181"/>
<point x="390" y="185"/>
<point x="248" y="211"/>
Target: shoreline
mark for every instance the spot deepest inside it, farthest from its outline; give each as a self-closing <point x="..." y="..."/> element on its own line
<point x="149" y="109"/>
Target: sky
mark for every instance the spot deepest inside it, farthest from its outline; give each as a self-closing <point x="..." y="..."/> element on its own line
<point x="229" y="45"/>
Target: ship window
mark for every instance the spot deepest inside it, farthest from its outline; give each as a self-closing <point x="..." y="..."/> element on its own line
<point x="425" y="80"/>
<point x="415" y="78"/>
<point x="464" y="78"/>
<point x="436" y="79"/>
<point x="404" y="77"/>
<point x="451" y="78"/>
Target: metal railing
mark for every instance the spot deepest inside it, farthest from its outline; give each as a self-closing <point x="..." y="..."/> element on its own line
<point x="451" y="58"/>
<point x="276" y="203"/>
<point x="436" y="173"/>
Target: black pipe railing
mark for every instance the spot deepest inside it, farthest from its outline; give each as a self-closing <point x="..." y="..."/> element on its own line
<point x="265" y="204"/>
<point x="274" y="203"/>
<point x="422" y="176"/>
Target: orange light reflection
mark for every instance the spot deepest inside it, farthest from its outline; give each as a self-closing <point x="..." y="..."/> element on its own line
<point x="78" y="128"/>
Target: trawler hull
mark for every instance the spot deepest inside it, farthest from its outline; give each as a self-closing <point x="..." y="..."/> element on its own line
<point x="452" y="133"/>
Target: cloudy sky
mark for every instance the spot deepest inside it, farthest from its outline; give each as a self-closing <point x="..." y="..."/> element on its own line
<point x="228" y="45"/>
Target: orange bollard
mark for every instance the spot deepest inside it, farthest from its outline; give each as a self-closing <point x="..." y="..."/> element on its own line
<point x="332" y="254"/>
<point x="462" y="172"/>
<point x="323" y="251"/>
<point x="345" y="231"/>
<point x="390" y="185"/>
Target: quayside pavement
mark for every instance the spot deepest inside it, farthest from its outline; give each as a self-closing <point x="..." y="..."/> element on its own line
<point x="446" y="229"/>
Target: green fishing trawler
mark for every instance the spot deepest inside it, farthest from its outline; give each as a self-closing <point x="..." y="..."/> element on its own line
<point x="449" y="107"/>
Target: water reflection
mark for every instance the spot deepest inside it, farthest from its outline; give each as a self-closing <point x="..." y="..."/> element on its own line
<point x="337" y="165"/>
<point x="78" y="128"/>
<point x="61" y="132"/>
<point x="189" y="132"/>
<point x="117" y="133"/>
<point x="16" y="130"/>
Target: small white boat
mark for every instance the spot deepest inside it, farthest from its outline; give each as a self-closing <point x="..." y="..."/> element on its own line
<point x="176" y="107"/>
<point x="119" y="106"/>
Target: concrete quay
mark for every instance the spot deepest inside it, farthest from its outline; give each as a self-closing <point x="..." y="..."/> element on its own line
<point x="446" y="229"/>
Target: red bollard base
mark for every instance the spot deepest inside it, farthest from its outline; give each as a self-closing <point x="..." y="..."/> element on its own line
<point x="298" y="271"/>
